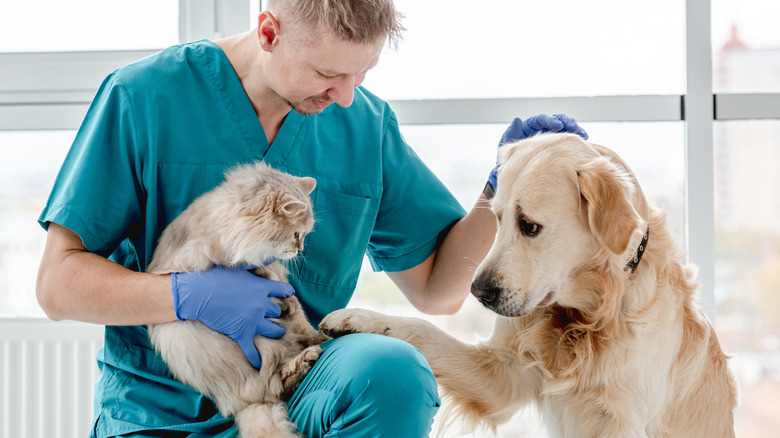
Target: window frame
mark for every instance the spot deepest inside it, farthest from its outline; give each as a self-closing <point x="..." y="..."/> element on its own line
<point x="51" y="91"/>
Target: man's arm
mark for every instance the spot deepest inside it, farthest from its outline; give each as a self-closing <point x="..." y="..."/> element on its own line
<point x="440" y="284"/>
<point x="76" y="284"/>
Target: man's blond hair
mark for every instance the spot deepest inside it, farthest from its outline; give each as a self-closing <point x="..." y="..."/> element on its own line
<point x="359" y="21"/>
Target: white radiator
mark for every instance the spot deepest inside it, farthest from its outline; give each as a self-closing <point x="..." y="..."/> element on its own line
<point x="47" y="375"/>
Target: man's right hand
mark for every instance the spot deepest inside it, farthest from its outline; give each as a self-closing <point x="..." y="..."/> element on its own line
<point x="231" y="301"/>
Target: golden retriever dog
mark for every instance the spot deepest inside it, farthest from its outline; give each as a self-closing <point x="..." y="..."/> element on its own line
<point x="597" y="324"/>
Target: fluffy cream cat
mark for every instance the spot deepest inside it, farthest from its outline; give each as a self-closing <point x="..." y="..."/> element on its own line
<point x="256" y="214"/>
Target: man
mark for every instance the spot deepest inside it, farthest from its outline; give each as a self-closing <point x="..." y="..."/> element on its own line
<point x="163" y="130"/>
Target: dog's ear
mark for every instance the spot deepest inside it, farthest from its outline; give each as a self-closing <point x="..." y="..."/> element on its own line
<point x="505" y="152"/>
<point x="607" y="192"/>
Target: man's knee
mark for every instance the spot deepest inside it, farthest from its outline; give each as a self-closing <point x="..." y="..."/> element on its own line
<point x="393" y="372"/>
<point x="367" y="385"/>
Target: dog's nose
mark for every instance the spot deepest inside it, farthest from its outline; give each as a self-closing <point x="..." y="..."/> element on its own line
<point x="485" y="294"/>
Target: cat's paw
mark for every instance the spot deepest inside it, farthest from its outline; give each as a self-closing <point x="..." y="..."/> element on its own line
<point x="288" y="306"/>
<point x="345" y="321"/>
<point x="296" y="370"/>
<point x="308" y="358"/>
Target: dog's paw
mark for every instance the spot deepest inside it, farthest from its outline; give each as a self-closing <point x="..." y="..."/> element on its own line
<point x="345" y="321"/>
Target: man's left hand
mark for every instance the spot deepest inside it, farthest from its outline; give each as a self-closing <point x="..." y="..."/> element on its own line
<point x="521" y="129"/>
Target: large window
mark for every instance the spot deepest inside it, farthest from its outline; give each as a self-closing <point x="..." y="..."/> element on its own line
<point x="74" y="25"/>
<point x="635" y="74"/>
<point x="30" y="160"/>
<point x="747" y="264"/>
<point x="509" y="48"/>
<point x="746" y="156"/>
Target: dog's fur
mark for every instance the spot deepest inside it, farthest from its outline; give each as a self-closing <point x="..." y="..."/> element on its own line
<point x="256" y="214"/>
<point x="603" y="351"/>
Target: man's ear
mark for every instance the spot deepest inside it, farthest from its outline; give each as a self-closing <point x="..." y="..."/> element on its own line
<point x="267" y="30"/>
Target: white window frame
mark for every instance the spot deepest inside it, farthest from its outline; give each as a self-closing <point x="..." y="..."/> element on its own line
<point x="45" y="91"/>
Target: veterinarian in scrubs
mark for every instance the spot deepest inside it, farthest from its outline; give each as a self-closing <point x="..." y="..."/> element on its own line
<point x="163" y="130"/>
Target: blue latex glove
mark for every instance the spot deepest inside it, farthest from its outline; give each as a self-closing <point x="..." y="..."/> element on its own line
<point x="519" y="130"/>
<point x="231" y="301"/>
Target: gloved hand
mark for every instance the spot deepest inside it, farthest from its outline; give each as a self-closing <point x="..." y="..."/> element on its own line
<point x="519" y="130"/>
<point x="232" y="301"/>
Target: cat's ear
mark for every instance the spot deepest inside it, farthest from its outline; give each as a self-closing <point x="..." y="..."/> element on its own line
<point x="291" y="206"/>
<point x="307" y="184"/>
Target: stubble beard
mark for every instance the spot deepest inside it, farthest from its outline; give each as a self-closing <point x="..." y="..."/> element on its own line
<point x="299" y="110"/>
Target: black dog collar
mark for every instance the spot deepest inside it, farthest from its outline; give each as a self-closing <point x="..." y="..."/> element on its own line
<point x="633" y="263"/>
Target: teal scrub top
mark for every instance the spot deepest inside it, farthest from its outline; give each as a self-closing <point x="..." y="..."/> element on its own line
<point x="162" y="131"/>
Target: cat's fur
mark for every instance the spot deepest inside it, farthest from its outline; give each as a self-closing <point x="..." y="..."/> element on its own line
<point x="256" y="214"/>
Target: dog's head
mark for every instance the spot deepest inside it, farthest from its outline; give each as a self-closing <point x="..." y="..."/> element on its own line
<point x="563" y="205"/>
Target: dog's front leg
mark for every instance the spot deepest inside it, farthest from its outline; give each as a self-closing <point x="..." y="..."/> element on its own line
<point x="484" y="383"/>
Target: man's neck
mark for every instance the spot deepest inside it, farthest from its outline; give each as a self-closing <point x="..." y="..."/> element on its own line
<point x="244" y="55"/>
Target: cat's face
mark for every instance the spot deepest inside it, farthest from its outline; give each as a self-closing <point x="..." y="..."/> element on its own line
<point x="294" y="220"/>
<point x="273" y="214"/>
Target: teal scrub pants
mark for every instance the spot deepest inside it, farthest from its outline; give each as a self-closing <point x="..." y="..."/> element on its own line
<point x="362" y="386"/>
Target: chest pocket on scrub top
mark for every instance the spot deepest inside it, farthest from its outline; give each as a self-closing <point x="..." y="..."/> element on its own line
<point x="334" y="250"/>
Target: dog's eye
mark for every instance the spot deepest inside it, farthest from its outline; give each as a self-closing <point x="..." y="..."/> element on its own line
<point x="296" y="235"/>
<point x="529" y="229"/>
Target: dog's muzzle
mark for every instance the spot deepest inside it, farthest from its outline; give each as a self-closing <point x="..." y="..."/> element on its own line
<point x="485" y="291"/>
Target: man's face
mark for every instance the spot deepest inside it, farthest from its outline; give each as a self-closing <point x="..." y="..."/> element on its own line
<point x="311" y="74"/>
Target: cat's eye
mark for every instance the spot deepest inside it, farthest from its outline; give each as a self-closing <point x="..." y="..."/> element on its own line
<point x="528" y="228"/>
